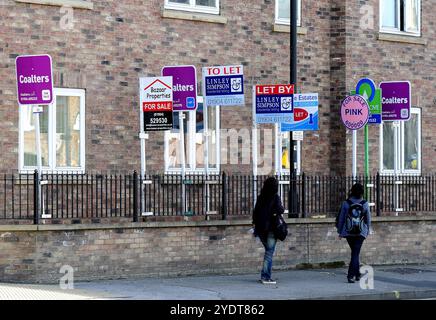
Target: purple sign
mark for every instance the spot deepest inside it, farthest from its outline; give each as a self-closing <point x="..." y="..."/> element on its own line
<point x="34" y="79"/>
<point x="184" y="86"/>
<point x="396" y="100"/>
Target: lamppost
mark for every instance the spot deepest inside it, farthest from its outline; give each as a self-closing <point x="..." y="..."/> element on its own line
<point x="292" y="203"/>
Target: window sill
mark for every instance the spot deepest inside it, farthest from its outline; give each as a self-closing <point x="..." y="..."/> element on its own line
<point x="383" y="36"/>
<point x="193" y="16"/>
<point x="287" y="29"/>
<point x="78" y="4"/>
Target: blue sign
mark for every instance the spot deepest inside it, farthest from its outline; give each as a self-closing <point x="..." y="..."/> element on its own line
<point x="273" y="103"/>
<point x="305" y="115"/>
<point x="223" y="86"/>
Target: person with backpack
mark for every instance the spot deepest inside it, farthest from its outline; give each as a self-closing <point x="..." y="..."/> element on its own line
<point x="353" y="223"/>
<point x="267" y="213"/>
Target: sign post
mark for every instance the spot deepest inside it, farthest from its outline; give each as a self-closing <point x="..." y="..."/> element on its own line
<point x="223" y="86"/>
<point x="396" y="103"/>
<point x="184" y="99"/>
<point x="35" y="88"/>
<point x="354" y="115"/>
<point x="367" y="89"/>
<point x="156" y="114"/>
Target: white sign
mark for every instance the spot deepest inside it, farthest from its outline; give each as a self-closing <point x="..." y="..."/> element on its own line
<point x="223" y="86"/>
<point x="297" y="135"/>
<point x="156" y="96"/>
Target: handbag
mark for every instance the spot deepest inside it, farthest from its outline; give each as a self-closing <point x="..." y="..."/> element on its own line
<point x="281" y="228"/>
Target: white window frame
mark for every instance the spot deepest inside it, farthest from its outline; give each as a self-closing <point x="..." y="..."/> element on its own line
<point x="278" y="154"/>
<point x="287" y="21"/>
<point x="51" y="168"/>
<point x="192" y="7"/>
<point x="398" y="29"/>
<point x="191" y="163"/>
<point x="400" y="144"/>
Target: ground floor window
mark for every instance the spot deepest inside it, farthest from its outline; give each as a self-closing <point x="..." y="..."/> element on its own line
<point x="407" y="143"/>
<point x="193" y="136"/>
<point x="282" y="153"/>
<point x="62" y="132"/>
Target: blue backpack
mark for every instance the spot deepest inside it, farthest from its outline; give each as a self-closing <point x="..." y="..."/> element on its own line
<point x="355" y="217"/>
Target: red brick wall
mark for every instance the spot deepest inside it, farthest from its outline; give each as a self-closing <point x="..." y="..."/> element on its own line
<point x="110" y="47"/>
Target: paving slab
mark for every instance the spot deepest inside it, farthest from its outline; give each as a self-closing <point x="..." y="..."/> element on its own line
<point x="390" y="282"/>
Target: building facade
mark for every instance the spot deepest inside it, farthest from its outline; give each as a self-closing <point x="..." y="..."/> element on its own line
<point x="100" y="49"/>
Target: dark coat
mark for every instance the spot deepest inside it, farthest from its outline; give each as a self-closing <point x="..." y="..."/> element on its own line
<point x="263" y="218"/>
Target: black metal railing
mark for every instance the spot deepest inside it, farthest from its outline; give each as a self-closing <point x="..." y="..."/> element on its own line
<point x="80" y="196"/>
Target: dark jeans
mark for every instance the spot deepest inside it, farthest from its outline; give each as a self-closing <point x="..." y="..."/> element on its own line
<point x="355" y="244"/>
<point x="270" y="245"/>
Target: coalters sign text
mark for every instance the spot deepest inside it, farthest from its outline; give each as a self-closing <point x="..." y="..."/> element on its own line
<point x="223" y="85"/>
<point x="157" y="103"/>
<point x="274" y="103"/>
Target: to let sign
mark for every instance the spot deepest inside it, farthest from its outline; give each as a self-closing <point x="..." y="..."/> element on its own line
<point x="274" y="103"/>
<point x="354" y="112"/>
<point x="223" y="86"/>
<point x="396" y="100"/>
<point x="157" y="103"/>
<point x="34" y="80"/>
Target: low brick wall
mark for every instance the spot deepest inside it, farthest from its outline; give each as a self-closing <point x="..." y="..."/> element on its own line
<point x="37" y="253"/>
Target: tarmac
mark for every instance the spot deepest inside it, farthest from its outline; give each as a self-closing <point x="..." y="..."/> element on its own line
<point x="389" y="282"/>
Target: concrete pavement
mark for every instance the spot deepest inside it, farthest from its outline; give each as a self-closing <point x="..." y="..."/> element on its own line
<point x="390" y="282"/>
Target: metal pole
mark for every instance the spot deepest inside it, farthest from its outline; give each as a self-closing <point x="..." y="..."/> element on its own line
<point x="254" y="147"/>
<point x="135" y="196"/>
<point x="38" y="158"/>
<point x="206" y="151"/>
<point x="293" y="76"/>
<point x="396" y="125"/>
<point x="354" y="156"/>
<point x="182" y="157"/>
<point x="142" y="137"/>
<point x="366" y="161"/>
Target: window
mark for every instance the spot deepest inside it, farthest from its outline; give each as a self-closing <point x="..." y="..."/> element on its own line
<point x="408" y="143"/>
<point x="206" y="6"/>
<point x="194" y="141"/>
<point x="283" y="12"/>
<point x="400" y="16"/>
<point x="62" y="128"/>
<point x="282" y="153"/>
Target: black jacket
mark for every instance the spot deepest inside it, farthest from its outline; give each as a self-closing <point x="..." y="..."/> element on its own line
<point x="263" y="218"/>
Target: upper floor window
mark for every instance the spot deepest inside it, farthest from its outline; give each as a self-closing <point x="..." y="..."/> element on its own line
<point x="400" y="16"/>
<point x="62" y="133"/>
<point x="283" y="12"/>
<point x="401" y="151"/>
<point x="205" y="6"/>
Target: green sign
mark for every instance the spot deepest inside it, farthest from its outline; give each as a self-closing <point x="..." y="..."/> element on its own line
<point x="375" y="108"/>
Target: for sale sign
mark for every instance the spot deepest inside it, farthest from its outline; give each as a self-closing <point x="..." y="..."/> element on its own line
<point x="274" y="103"/>
<point x="157" y="103"/>
<point x="223" y="86"/>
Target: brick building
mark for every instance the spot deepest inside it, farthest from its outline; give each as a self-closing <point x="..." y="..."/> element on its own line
<point x="101" y="48"/>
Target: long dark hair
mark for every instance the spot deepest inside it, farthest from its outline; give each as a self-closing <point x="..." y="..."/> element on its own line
<point x="270" y="189"/>
<point x="357" y="191"/>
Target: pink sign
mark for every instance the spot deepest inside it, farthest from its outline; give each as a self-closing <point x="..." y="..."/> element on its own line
<point x="354" y="112"/>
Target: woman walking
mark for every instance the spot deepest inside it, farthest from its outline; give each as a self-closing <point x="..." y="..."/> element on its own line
<point x="268" y="205"/>
<point x="353" y="224"/>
